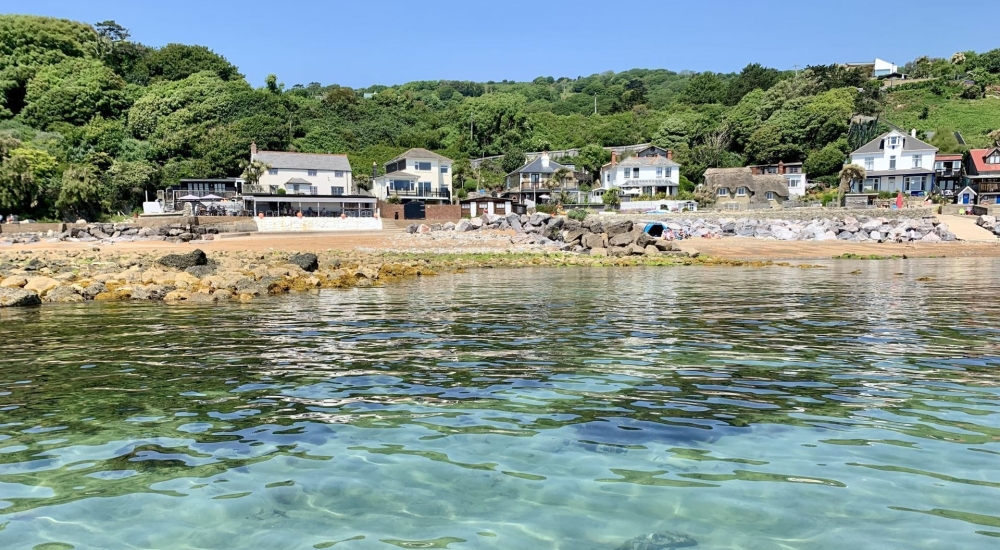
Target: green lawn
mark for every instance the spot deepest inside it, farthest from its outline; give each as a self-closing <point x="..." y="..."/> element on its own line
<point x="974" y="118"/>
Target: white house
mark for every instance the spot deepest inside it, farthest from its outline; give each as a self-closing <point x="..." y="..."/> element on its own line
<point x="303" y="173"/>
<point x="417" y="174"/>
<point x="884" y="68"/>
<point x="896" y="162"/>
<point x="651" y="172"/>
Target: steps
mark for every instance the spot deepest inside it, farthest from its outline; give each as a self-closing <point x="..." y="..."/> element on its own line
<point x="390" y="226"/>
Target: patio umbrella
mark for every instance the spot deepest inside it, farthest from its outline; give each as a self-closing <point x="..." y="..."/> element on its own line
<point x="543" y="196"/>
<point x="189" y="198"/>
<point x="212" y="197"/>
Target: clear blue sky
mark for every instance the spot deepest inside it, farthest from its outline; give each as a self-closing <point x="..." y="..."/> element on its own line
<point x="359" y="43"/>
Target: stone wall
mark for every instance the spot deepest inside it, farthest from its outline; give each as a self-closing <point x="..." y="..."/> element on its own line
<point x="16" y="228"/>
<point x="443" y="212"/>
<point x="296" y="225"/>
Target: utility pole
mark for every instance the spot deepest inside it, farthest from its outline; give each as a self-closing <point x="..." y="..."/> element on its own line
<point x="796" y="67"/>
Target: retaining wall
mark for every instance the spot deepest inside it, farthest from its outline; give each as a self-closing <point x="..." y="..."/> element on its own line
<point x="445" y="212"/>
<point x="14" y="228"/>
<point x="292" y="224"/>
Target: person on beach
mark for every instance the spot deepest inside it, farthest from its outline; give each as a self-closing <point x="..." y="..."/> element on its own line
<point x="669" y="235"/>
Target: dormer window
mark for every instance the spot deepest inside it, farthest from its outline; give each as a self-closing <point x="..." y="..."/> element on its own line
<point x="723" y="192"/>
<point x="769" y="195"/>
<point x="893" y="141"/>
<point x="994" y="158"/>
<point x="741" y="192"/>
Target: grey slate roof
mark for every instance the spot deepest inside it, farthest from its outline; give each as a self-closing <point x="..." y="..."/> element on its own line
<point x="298" y="181"/>
<point x="648" y="161"/>
<point x="535" y="167"/>
<point x="910" y="143"/>
<point x="419" y="153"/>
<point x="303" y="161"/>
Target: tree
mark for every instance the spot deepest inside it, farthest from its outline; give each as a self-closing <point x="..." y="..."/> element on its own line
<point x="80" y="194"/>
<point x="995" y="137"/>
<point x="19" y="188"/>
<point x="512" y="160"/>
<point x="126" y="182"/>
<point x="958" y="58"/>
<point x="560" y="176"/>
<point x="672" y="133"/>
<point x="611" y="198"/>
<point x="704" y="88"/>
<point x="753" y="77"/>
<point x="178" y="61"/>
<point x="74" y="91"/>
<point x="272" y="85"/>
<point x="252" y="172"/>
<point x="848" y="175"/>
<point x="499" y="122"/>
<point x="826" y="161"/>
<point x="109" y="35"/>
<point x="591" y="158"/>
<point x="635" y="94"/>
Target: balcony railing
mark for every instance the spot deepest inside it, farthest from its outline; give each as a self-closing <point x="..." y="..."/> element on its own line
<point x="657" y="182"/>
<point x="420" y="193"/>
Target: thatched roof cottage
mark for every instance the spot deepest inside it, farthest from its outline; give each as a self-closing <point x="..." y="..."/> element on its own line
<point x="738" y="188"/>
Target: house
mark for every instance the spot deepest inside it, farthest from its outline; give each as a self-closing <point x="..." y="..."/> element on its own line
<point x="303" y="173"/>
<point x="472" y="207"/>
<point x="982" y="170"/>
<point x="416" y="175"/>
<point x="741" y="189"/>
<point x="652" y="171"/>
<point x="896" y="162"/>
<point x="793" y="172"/>
<point x="538" y="179"/>
<point x="315" y="184"/>
<point x="879" y="68"/>
<point x="211" y="191"/>
<point x="948" y="173"/>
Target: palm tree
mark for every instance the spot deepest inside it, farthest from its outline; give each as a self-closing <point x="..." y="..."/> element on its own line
<point x="958" y="58"/>
<point x="560" y="175"/>
<point x="252" y="172"/>
<point x="848" y="175"/>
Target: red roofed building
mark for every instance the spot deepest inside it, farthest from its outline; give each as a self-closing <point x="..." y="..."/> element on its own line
<point x="982" y="169"/>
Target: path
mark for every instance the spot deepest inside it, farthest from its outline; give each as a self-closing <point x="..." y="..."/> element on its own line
<point x="965" y="228"/>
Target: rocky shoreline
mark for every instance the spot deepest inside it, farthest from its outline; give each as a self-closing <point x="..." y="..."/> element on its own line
<point x="29" y="278"/>
<point x="109" y="233"/>
<point x="615" y="237"/>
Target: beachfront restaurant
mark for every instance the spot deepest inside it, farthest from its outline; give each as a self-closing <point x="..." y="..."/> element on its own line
<point x="311" y="206"/>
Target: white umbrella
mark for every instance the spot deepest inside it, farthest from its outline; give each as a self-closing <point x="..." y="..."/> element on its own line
<point x="212" y="197"/>
<point x="543" y="196"/>
<point x="189" y="198"/>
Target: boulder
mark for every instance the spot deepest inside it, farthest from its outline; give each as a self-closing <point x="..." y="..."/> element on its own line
<point x="184" y="261"/>
<point x="573" y="236"/>
<point x="17" y="297"/>
<point x="620" y="239"/>
<point x="931" y="238"/>
<point x="571" y="225"/>
<point x="150" y="292"/>
<point x="14" y="281"/>
<point x="615" y="251"/>
<point x="616" y="229"/>
<point x="424" y="228"/>
<point x="92" y="290"/>
<point x="645" y="240"/>
<point x="200" y="270"/>
<point x="594" y="240"/>
<point x="556" y="222"/>
<point x="63" y="294"/>
<point x="599" y="251"/>
<point x="652" y="251"/>
<point x="666" y="246"/>
<point x="783" y="233"/>
<point x="636" y="250"/>
<point x="412" y="228"/>
<point x="539" y="218"/>
<point x="450" y="226"/>
<point x="41" y="285"/>
<point x="462" y="226"/>
<point x="476" y="223"/>
<point x="307" y="261"/>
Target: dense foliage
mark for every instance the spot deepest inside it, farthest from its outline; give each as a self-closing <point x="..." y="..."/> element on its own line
<point x="90" y="120"/>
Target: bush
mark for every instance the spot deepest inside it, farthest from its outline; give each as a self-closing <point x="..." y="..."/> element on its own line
<point x="545" y="208"/>
<point x="395" y="199"/>
<point x="281" y="191"/>
<point x="578" y="214"/>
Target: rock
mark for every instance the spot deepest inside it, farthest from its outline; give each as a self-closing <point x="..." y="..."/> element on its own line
<point x="573" y="236"/>
<point x="41" y="285"/>
<point x="571" y="225"/>
<point x="616" y="229"/>
<point x="644" y="239"/>
<point x="308" y="261"/>
<point x="177" y="296"/>
<point x="63" y="294"/>
<point x="17" y="297"/>
<point x="556" y="222"/>
<point x="412" y="228"/>
<point x="450" y="226"/>
<point x="476" y="223"/>
<point x="598" y="251"/>
<point x="463" y="225"/>
<point x="783" y="233"/>
<point x="931" y="238"/>
<point x="615" y="251"/>
<point x="594" y="240"/>
<point x="539" y="218"/>
<point x="424" y="228"/>
<point x="14" y="281"/>
<point x="201" y="270"/>
<point x="665" y="245"/>
<point x="184" y="261"/>
<point x="151" y="292"/>
<point x="652" y="251"/>
<point x="620" y="239"/>
<point x="91" y="291"/>
<point x="636" y="250"/>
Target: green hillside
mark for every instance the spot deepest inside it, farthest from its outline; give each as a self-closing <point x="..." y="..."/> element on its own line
<point x="90" y="120"/>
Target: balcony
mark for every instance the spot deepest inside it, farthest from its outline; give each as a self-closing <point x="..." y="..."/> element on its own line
<point x="419" y="193"/>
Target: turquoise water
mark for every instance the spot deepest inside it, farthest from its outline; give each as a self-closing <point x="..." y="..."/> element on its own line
<point x="855" y="406"/>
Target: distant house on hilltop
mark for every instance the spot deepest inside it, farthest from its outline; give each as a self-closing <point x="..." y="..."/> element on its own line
<point x="740" y="188"/>
<point x="896" y="162"/>
<point x="879" y="68"/>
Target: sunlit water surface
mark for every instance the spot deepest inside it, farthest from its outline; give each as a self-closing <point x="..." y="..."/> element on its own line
<point x="561" y="408"/>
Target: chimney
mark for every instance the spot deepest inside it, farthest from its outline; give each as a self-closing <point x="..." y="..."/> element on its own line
<point x="670" y="154"/>
<point x="781" y="167"/>
<point x="253" y="149"/>
<point x="913" y="133"/>
<point x="614" y="159"/>
<point x="545" y="159"/>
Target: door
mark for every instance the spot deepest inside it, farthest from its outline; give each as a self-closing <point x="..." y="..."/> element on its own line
<point x="414" y="210"/>
<point x="965" y="198"/>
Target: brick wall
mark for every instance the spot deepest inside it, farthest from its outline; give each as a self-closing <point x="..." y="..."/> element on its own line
<point x="443" y="212"/>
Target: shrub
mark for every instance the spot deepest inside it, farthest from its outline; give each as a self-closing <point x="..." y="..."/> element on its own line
<point x="394" y="199"/>
<point x="545" y="208"/>
<point x="578" y="214"/>
<point x="281" y="191"/>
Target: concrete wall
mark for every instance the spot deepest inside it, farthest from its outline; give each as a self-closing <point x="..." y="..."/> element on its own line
<point x="444" y="212"/>
<point x="14" y="228"/>
<point x="292" y="225"/>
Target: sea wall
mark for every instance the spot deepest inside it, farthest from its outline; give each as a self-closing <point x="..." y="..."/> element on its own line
<point x="297" y="225"/>
<point x="444" y="212"/>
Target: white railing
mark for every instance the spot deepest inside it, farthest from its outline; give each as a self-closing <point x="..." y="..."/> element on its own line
<point x="659" y="182"/>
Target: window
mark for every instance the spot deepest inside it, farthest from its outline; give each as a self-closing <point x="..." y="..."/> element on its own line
<point x="444" y="169"/>
<point x="939" y="166"/>
<point x="424" y="188"/>
<point x="956" y="166"/>
<point x="871" y="184"/>
<point x="793" y="182"/>
<point x="628" y="173"/>
<point x="273" y="172"/>
<point x="669" y="171"/>
<point x="793" y="170"/>
<point x="869" y="163"/>
<point x="917" y="159"/>
<point x="915" y="183"/>
<point x="741" y="192"/>
<point x="769" y="195"/>
<point x="422" y="166"/>
<point x="893" y="141"/>
<point x="401" y="185"/>
<point x="771" y="170"/>
<point x="659" y="172"/>
<point x="336" y="190"/>
<point x="993" y="159"/>
<point x="535" y="178"/>
<point x="607" y="178"/>
<point x="635" y="173"/>
<point x="723" y="192"/>
<point x="338" y="173"/>
<point x="311" y="173"/>
<point x="892" y="162"/>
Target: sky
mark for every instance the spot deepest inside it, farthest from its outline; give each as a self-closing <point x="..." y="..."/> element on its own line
<point x="361" y="43"/>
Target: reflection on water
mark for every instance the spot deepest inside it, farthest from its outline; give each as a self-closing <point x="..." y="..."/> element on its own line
<point x="568" y="409"/>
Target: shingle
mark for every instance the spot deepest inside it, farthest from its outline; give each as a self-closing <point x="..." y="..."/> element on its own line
<point x="304" y="161"/>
